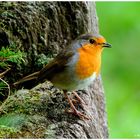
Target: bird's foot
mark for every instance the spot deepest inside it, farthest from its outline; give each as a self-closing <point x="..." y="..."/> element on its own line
<point x="74" y="110"/>
<point x="74" y="101"/>
<point x="79" y="114"/>
<point x="82" y="102"/>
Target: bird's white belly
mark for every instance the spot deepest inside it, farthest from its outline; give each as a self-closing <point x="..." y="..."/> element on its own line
<point x="84" y="83"/>
<point x="73" y="83"/>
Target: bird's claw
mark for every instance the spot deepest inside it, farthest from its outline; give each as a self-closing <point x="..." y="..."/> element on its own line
<point x="79" y="114"/>
<point x="79" y="99"/>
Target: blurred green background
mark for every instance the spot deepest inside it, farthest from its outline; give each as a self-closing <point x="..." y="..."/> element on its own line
<point x="119" y="22"/>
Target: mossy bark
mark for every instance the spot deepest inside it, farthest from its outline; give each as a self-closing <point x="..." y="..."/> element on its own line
<point x="41" y="30"/>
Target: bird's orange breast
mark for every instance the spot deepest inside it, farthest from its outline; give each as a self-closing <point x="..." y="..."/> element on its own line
<point x="89" y="61"/>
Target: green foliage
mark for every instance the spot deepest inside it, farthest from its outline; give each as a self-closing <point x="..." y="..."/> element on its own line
<point x="119" y="23"/>
<point x="2" y="84"/>
<point x="10" y="54"/>
<point x="2" y="87"/>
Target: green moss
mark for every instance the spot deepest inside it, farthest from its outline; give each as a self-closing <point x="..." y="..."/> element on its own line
<point x="42" y="59"/>
<point x="8" y="4"/>
<point x="7" y="14"/>
<point x="10" y="124"/>
<point x="26" y="103"/>
<point x="7" y="132"/>
<point x="50" y="131"/>
<point x="12" y="120"/>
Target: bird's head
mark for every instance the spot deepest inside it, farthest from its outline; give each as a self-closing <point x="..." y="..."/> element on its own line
<point x="89" y="49"/>
<point x="93" y="43"/>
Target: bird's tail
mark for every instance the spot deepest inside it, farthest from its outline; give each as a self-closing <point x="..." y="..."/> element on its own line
<point x="30" y="77"/>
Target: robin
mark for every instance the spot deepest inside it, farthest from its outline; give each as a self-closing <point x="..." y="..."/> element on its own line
<point x="74" y="68"/>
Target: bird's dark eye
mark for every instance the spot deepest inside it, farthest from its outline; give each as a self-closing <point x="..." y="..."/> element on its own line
<point x="92" y="41"/>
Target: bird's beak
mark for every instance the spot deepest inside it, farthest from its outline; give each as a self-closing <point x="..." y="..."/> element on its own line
<point x="107" y="45"/>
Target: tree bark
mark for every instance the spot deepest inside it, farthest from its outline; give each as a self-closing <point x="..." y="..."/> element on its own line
<point x="42" y="29"/>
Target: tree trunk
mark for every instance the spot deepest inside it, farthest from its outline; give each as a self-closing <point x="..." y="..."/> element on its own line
<point x="41" y="30"/>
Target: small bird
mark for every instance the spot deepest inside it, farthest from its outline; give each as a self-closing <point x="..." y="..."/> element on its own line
<point x="74" y="68"/>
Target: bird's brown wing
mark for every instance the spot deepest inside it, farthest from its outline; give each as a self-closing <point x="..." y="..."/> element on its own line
<point x="55" y="66"/>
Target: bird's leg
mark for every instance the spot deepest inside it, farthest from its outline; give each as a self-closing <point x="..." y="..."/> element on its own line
<point x="74" y="110"/>
<point x="79" y="98"/>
